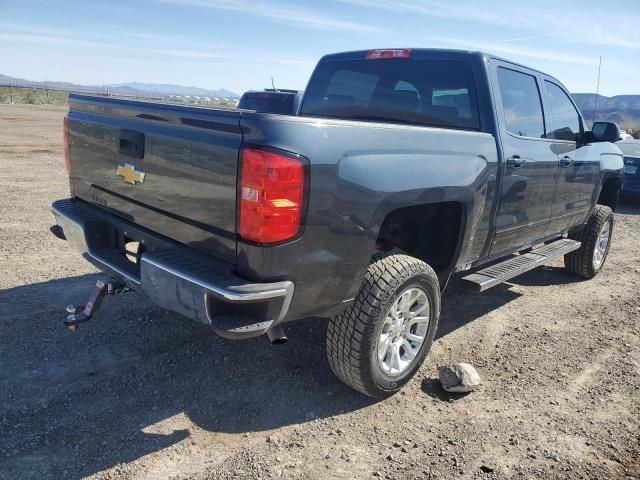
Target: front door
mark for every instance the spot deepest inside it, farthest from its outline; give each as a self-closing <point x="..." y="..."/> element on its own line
<point x="579" y="170"/>
<point x="530" y="164"/>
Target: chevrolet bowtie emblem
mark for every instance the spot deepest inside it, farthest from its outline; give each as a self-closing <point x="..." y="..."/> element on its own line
<point x="130" y="174"/>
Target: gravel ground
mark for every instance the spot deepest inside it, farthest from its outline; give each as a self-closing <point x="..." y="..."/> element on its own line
<point x="143" y="393"/>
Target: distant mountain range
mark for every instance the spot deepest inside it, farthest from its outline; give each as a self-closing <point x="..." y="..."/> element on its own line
<point x="131" y="88"/>
<point x="621" y="109"/>
<point x="176" y="89"/>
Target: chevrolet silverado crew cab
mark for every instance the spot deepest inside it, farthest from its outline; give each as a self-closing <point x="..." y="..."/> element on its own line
<point x="400" y="168"/>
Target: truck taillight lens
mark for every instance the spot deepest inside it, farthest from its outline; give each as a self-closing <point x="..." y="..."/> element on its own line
<point x="67" y="160"/>
<point x="271" y="195"/>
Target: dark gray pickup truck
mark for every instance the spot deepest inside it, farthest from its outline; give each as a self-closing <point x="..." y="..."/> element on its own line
<point x="401" y="168"/>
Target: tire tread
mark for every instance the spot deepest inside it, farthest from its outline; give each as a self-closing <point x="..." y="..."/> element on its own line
<point x="580" y="262"/>
<point x="349" y="333"/>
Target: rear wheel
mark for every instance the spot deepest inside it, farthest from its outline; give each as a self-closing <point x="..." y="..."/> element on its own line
<point x="595" y="236"/>
<point x="378" y="344"/>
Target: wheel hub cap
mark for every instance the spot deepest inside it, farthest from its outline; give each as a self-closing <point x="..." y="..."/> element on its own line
<point x="602" y="245"/>
<point x="404" y="331"/>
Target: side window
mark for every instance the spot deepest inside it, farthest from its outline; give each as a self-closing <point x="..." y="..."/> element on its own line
<point x="566" y="120"/>
<point x="521" y="103"/>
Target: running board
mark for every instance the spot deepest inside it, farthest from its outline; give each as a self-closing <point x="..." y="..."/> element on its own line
<point x="503" y="271"/>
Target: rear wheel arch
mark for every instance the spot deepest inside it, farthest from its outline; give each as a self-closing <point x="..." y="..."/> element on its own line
<point x="431" y="232"/>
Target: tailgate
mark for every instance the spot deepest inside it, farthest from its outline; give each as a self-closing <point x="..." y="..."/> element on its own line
<point x="170" y="169"/>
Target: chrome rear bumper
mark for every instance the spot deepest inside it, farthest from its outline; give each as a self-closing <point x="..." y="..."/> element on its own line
<point x="172" y="275"/>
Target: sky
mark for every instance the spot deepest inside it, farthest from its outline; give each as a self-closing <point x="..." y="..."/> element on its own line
<point x="241" y="44"/>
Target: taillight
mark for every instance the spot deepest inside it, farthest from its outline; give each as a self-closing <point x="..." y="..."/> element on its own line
<point x="271" y="195"/>
<point x="67" y="160"/>
<point x="389" y="53"/>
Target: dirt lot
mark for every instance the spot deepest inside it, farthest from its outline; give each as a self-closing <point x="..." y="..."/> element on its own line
<point x="143" y="393"/>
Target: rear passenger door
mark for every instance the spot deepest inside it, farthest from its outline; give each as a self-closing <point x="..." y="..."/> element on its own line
<point x="579" y="169"/>
<point x="530" y="164"/>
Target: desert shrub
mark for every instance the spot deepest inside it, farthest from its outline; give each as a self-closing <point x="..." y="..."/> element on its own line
<point x="30" y="98"/>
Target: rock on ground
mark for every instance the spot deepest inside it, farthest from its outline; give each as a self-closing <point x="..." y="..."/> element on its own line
<point x="459" y="377"/>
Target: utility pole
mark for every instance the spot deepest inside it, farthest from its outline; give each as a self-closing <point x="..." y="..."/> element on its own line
<point x="11" y="92"/>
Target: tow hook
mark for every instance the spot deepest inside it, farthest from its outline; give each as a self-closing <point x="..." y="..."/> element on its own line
<point x="77" y="314"/>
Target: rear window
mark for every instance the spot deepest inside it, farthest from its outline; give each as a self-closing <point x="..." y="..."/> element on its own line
<point x="267" y="102"/>
<point x="421" y="92"/>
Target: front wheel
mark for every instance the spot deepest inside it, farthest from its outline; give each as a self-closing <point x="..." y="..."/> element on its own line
<point x="595" y="236"/>
<point x="378" y="344"/>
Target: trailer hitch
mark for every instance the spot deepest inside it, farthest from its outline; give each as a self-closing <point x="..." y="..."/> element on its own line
<point x="77" y="314"/>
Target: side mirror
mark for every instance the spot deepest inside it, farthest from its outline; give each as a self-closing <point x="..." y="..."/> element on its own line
<point x="605" y="132"/>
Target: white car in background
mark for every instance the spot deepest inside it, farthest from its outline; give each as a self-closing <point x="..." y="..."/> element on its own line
<point x="625" y="136"/>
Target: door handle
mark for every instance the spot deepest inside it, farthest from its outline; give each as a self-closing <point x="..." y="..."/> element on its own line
<point x="515" y="161"/>
<point x="566" y="161"/>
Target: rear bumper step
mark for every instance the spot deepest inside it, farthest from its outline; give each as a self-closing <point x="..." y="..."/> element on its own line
<point x="174" y="276"/>
<point x="503" y="271"/>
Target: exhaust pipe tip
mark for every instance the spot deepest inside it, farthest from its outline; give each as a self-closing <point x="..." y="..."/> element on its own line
<point x="276" y="335"/>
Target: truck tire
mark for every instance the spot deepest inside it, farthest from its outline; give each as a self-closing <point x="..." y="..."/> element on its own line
<point x="380" y="341"/>
<point x="595" y="236"/>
